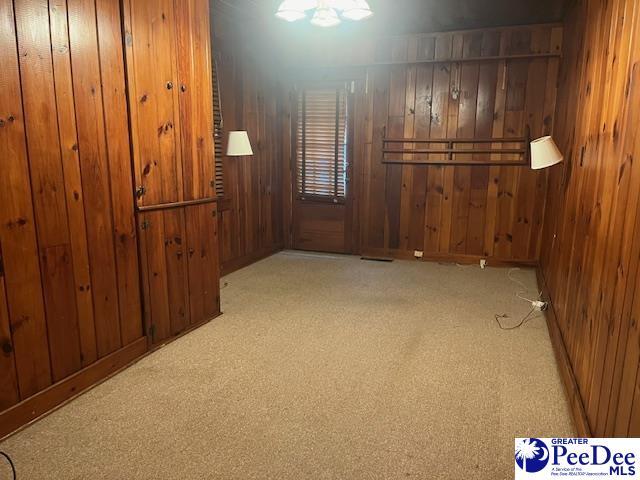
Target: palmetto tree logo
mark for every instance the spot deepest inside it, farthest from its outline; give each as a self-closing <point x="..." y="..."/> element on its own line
<point x="532" y="455"/>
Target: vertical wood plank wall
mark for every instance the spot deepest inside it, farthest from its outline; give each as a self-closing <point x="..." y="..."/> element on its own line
<point x="250" y="214"/>
<point x="445" y="211"/>
<point x="171" y="100"/>
<point x="181" y="271"/>
<point x="69" y="284"/>
<point x="169" y="69"/>
<point x="591" y="233"/>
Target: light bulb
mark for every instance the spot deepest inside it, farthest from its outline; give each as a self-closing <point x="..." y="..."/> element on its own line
<point x="325" y="17"/>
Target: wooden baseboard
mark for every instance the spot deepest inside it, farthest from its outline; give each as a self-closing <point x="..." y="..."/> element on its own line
<point x="191" y="328"/>
<point x="241" y="262"/>
<point x="58" y="394"/>
<point x="564" y="364"/>
<point x="448" y="258"/>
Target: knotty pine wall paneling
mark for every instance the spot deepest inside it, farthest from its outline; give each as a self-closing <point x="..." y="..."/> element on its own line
<point x="153" y="100"/>
<point x="169" y="69"/>
<point x="27" y="334"/>
<point x="169" y="74"/>
<point x="251" y="212"/>
<point x="69" y="288"/>
<point x="591" y="238"/>
<point x="46" y="170"/>
<point x="455" y="212"/>
<point x="195" y="97"/>
<point x="9" y="393"/>
<point x="180" y="268"/>
<point x="473" y="211"/>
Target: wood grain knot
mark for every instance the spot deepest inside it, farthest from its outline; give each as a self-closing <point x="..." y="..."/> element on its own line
<point x="20" y="222"/>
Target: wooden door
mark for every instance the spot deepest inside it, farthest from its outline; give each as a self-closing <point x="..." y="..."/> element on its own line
<point x="322" y="203"/>
<point x="203" y="262"/>
<point x="150" y="40"/>
<point x="180" y="268"/>
<point x="169" y="69"/>
<point x="171" y="102"/>
<point x="165" y="272"/>
<point x="195" y="95"/>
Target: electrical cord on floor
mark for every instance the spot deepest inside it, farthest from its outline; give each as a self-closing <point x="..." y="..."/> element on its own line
<point x="13" y="468"/>
<point x="536" y="305"/>
<point x="526" y="318"/>
<point x="522" y="286"/>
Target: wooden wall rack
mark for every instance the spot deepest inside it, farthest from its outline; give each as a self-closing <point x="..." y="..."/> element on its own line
<point x="483" y="146"/>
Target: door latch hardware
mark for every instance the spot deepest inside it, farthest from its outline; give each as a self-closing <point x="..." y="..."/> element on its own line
<point x="140" y="191"/>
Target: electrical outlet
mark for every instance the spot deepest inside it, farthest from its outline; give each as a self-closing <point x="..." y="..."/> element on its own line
<point x="540" y="305"/>
<point x="418" y="253"/>
<point x="483" y="263"/>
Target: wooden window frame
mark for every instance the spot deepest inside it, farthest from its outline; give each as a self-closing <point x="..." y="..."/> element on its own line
<point x="343" y="89"/>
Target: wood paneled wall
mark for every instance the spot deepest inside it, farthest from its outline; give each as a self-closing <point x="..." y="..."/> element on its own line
<point x="250" y="215"/>
<point x="168" y="55"/>
<point x="69" y="283"/>
<point x="181" y="281"/>
<point x="169" y="71"/>
<point x="445" y="211"/>
<point x="591" y="237"/>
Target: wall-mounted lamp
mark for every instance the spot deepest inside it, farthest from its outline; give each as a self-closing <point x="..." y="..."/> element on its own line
<point x="544" y="153"/>
<point x="239" y="144"/>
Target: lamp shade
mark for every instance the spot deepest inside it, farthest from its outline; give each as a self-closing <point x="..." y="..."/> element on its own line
<point x="544" y="153"/>
<point x="239" y="145"/>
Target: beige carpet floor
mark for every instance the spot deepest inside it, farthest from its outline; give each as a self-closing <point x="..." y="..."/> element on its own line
<point x="322" y="368"/>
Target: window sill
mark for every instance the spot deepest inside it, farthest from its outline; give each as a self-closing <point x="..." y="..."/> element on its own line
<point x="322" y="199"/>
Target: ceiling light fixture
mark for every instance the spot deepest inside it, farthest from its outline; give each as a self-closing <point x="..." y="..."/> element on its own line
<point x="326" y="13"/>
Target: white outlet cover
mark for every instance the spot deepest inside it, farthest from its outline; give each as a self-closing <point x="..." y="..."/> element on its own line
<point x="418" y="253"/>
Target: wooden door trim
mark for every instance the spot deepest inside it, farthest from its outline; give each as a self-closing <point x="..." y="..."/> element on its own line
<point x="349" y="201"/>
<point x="350" y="240"/>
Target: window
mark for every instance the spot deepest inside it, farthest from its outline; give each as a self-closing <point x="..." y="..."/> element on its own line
<point x="322" y="143"/>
